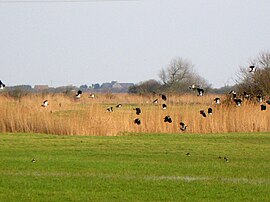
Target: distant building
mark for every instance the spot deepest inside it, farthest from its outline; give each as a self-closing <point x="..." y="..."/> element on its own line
<point x="114" y="86"/>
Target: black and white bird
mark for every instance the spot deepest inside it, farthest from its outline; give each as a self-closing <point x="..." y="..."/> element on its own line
<point x="79" y="93"/>
<point x="168" y="119"/>
<point x="268" y="102"/>
<point x="246" y="95"/>
<point x="163" y="97"/>
<point x="119" y="105"/>
<point x="33" y="160"/>
<point x="202" y="112"/>
<point x="252" y="68"/>
<point x="183" y="126"/>
<point x="200" y="91"/>
<point x="210" y="111"/>
<point x="137" y="121"/>
<point x="233" y="93"/>
<point x="155" y="101"/>
<point x="263" y="107"/>
<point x="92" y="95"/>
<point x="260" y="98"/>
<point x="217" y="100"/>
<point x="192" y="87"/>
<point x="138" y="110"/>
<point x="164" y="106"/>
<point x="2" y="85"/>
<point x="45" y="103"/>
<point x="226" y="159"/>
<point x="110" y="109"/>
<point x="238" y="101"/>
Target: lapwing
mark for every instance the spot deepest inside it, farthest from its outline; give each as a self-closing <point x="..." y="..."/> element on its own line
<point x="226" y="159"/>
<point x="268" y="102"/>
<point x="260" y="98"/>
<point x="168" y="119"/>
<point x="164" y="106"/>
<point x="237" y="101"/>
<point x="79" y="93"/>
<point x="210" y="111"/>
<point x="183" y="126"/>
<point x="155" y="101"/>
<point x="263" y="107"/>
<point x="110" y="109"/>
<point x="252" y="68"/>
<point x="92" y="95"/>
<point x="45" y="103"/>
<point x="203" y="113"/>
<point x="33" y="160"/>
<point x="137" y="121"/>
<point x="233" y="93"/>
<point x="200" y="91"/>
<point x="246" y="95"/>
<point x="188" y="154"/>
<point x="217" y="100"/>
<point x="163" y="97"/>
<point x="119" y="105"/>
<point x="192" y="87"/>
<point x="2" y="85"/>
<point x="138" y="110"/>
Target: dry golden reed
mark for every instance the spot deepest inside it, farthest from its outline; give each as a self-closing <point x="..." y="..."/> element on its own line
<point x="67" y="115"/>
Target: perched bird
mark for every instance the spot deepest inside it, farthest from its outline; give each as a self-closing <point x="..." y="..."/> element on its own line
<point x="263" y="107"/>
<point x="119" y="105"/>
<point x="155" y="101"/>
<point x="252" y="68"/>
<point x="78" y="95"/>
<point x="110" y="109"/>
<point x="164" y="106"/>
<point x="200" y="91"/>
<point x="183" y="126"/>
<point x="260" y="98"/>
<point x="45" y="103"/>
<point x="92" y="95"/>
<point x="163" y="97"/>
<point x="138" y="111"/>
<point x="210" y="111"/>
<point x="2" y="85"/>
<point x="237" y="101"/>
<point x="233" y="93"/>
<point x="217" y="100"/>
<point x="168" y="119"/>
<point x="137" y="121"/>
<point x="203" y="113"/>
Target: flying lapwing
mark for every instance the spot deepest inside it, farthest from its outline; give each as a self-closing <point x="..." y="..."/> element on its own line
<point x="168" y="119"/>
<point x="79" y="93"/>
<point x="252" y="68"/>
<point x="183" y="126"/>
<point x="2" y="85"/>
<point x="200" y="91"/>
<point x="137" y="121"/>
<point x="45" y="103"/>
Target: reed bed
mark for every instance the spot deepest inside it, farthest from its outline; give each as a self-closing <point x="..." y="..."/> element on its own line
<point x="86" y="116"/>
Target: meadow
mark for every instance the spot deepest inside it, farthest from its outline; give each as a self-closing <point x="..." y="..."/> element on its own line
<point x="66" y="115"/>
<point x="135" y="167"/>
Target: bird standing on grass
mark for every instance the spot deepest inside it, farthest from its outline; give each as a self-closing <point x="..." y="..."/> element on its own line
<point x="110" y="109"/>
<point x="163" y="97"/>
<point x="263" y="107"/>
<point x="203" y="113"/>
<point x="138" y="110"/>
<point x="164" y="106"/>
<point x="137" y="121"/>
<point x="119" y="105"/>
<point x="237" y="101"/>
<point x="210" y="111"/>
<point x="217" y="100"/>
<point x="200" y="91"/>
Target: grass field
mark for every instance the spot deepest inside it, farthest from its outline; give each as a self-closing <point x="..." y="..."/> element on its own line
<point x="136" y="167"/>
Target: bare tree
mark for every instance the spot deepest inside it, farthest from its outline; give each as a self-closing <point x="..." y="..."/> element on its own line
<point x="257" y="82"/>
<point x="179" y="75"/>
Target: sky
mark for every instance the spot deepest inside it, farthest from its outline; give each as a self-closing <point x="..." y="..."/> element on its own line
<point x="74" y="43"/>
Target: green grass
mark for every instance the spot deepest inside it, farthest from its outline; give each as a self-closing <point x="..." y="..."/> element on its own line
<point x="135" y="168"/>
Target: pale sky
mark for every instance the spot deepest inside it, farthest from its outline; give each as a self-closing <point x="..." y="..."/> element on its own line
<point x="62" y="43"/>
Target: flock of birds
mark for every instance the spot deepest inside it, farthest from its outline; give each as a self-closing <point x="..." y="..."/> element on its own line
<point x="167" y="119"/>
